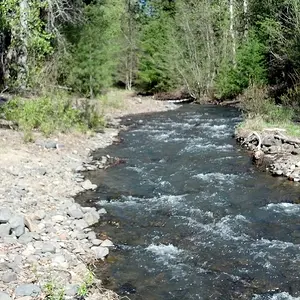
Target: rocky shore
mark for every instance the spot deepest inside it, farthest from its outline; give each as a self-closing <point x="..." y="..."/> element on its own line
<point x="46" y="239"/>
<point x="273" y="150"/>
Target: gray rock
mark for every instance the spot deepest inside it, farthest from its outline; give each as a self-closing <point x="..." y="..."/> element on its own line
<point x="87" y="185"/>
<point x="48" y="248"/>
<point x="28" y="290"/>
<point x="17" y="225"/>
<point x="91" y="235"/>
<point x="5" y="215"/>
<point x="4" y="230"/>
<point x="96" y="242"/>
<point x="102" y="211"/>
<point x="9" y="276"/>
<point x="4" y="296"/>
<point x="75" y="213"/>
<point x="91" y="217"/>
<point x="50" y="145"/>
<point x="100" y="252"/>
<point x="107" y="243"/>
<point x="39" y="215"/>
<point x="71" y="290"/>
<point x="26" y="238"/>
<point x="81" y="224"/>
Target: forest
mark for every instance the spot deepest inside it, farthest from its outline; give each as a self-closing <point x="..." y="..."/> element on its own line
<point x="210" y="50"/>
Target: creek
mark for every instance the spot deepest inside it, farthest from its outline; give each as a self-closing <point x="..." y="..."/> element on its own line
<point x="191" y="216"/>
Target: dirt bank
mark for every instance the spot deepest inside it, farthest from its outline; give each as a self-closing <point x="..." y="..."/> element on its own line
<point x="46" y="241"/>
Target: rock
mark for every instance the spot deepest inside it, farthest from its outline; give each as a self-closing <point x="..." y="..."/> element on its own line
<point x="48" y="247"/>
<point x="4" y="230"/>
<point x="100" y="252"/>
<point x="29" y="250"/>
<point x="71" y="290"/>
<point x="96" y="242"/>
<point x="29" y="224"/>
<point x="91" y="217"/>
<point x="278" y="172"/>
<point x="75" y="213"/>
<point x="102" y="211"/>
<point x="5" y="215"/>
<point x="39" y="215"/>
<point x="87" y="185"/>
<point x="50" y="145"/>
<point x="28" y="290"/>
<point x="269" y="141"/>
<point x="17" y="225"/>
<point x="25" y="298"/>
<point x="4" y="296"/>
<point x="91" y="235"/>
<point x="81" y="224"/>
<point x="58" y="219"/>
<point x="25" y="238"/>
<point x="9" y="277"/>
<point x="107" y="243"/>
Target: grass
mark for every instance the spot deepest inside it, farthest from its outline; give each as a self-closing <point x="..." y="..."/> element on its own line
<point x="50" y="114"/>
<point x="257" y="123"/>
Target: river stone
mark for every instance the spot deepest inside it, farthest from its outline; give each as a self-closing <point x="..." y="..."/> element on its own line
<point x="9" y="276"/>
<point x="75" y="213"/>
<point x="91" y="235"/>
<point x="4" y="230"/>
<point x="25" y="238"/>
<point x="5" y="215"/>
<point x="96" y="242"/>
<point x="87" y="185"/>
<point x="107" y="243"/>
<point x="71" y="290"/>
<point x="81" y="224"/>
<point x="100" y="252"/>
<point x="17" y="225"/>
<point x="48" y="248"/>
<point x="102" y="211"/>
<point x="4" y="296"/>
<point x="28" y="290"/>
<point x="91" y="217"/>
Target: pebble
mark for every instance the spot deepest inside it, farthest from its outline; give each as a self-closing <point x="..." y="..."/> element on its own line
<point x="5" y="215"/>
<point x="28" y="290"/>
<point x="91" y="218"/>
<point x="48" y="247"/>
<point x="96" y="242"/>
<point x="100" y="252"/>
<point x="17" y="225"/>
<point x="107" y="243"/>
<point x="81" y="224"/>
<point x="87" y="185"/>
<point x="4" y="296"/>
<point x="9" y="277"/>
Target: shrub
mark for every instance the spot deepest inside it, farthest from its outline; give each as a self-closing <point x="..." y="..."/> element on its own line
<point x="49" y="114"/>
<point x="255" y="102"/>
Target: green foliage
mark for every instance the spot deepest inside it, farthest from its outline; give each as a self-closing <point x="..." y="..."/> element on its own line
<point x="256" y="103"/>
<point x="54" y="292"/>
<point x="86" y="285"/>
<point x="95" y="59"/>
<point x="50" y="114"/>
<point x="155" y="67"/>
<point x="250" y="68"/>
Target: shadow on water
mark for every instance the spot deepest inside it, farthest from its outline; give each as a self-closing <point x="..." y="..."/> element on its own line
<point x="191" y="217"/>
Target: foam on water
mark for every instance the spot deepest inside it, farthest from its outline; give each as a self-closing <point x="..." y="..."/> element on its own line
<point x="192" y="147"/>
<point x="211" y="177"/>
<point x="164" y="253"/>
<point x="288" y="208"/>
<point x="279" y="296"/>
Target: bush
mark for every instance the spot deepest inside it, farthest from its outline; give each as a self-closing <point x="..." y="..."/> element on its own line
<point x="50" y="114"/>
<point x="255" y="102"/>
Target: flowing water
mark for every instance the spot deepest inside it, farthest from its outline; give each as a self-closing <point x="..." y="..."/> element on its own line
<point x="190" y="215"/>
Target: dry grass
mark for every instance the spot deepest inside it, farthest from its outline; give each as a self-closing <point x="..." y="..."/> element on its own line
<point x="259" y="124"/>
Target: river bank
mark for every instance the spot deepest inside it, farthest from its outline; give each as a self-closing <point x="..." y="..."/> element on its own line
<point x="46" y="239"/>
<point x="273" y="150"/>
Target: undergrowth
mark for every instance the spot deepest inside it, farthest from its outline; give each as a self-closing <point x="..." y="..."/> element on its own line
<point x="51" y="113"/>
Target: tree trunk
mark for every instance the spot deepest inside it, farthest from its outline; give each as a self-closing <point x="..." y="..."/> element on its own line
<point x="23" y="49"/>
<point x="232" y="32"/>
<point x="245" y="5"/>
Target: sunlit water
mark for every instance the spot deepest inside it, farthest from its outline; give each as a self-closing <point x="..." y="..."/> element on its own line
<point x="192" y="218"/>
